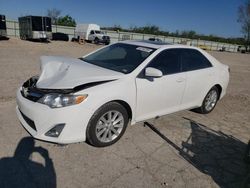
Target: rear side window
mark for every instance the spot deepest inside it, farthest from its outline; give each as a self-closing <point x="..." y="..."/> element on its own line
<point x="194" y="60"/>
<point x="167" y="61"/>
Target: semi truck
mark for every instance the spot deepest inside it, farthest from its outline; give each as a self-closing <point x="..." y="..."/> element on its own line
<point x="3" y="32"/>
<point x="35" y="27"/>
<point x="91" y="33"/>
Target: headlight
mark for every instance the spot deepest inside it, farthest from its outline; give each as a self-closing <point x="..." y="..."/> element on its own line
<point x="55" y="100"/>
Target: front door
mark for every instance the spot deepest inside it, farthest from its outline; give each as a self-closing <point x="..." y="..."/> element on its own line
<point x="160" y="96"/>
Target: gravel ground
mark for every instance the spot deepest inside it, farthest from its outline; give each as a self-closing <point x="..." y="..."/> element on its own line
<point x="184" y="149"/>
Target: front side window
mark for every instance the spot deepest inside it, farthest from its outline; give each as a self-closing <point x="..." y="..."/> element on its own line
<point x="167" y="61"/>
<point x="92" y="32"/>
<point x="119" y="57"/>
<point x="194" y="60"/>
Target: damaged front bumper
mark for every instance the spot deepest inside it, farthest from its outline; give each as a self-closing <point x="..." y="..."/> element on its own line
<point x="38" y="119"/>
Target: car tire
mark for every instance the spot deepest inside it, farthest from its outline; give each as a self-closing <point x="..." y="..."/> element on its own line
<point x="209" y="101"/>
<point x="96" y="40"/>
<point x="247" y="154"/>
<point x="107" y="125"/>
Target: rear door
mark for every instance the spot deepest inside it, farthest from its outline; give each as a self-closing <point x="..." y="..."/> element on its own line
<point x="47" y="24"/>
<point x="199" y="77"/>
<point x="37" y="23"/>
<point x="160" y="96"/>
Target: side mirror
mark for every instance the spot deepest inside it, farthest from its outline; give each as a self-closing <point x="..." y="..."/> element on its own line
<point x="153" y="72"/>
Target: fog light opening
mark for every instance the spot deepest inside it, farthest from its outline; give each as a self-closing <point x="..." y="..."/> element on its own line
<point x="56" y="130"/>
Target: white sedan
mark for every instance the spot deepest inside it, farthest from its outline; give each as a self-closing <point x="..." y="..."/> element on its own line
<point x="93" y="98"/>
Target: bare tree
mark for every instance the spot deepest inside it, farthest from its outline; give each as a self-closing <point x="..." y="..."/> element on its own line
<point x="244" y="19"/>
<point x="53" y="14"/>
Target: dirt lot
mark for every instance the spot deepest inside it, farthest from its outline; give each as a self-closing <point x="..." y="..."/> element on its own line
<point x="184" y="149"/>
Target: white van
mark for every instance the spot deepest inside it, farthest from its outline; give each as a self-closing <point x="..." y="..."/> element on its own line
<point x="91" y="33"/>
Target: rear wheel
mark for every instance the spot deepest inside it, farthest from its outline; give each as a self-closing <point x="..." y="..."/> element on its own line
<point x="107" y="125"/>
<point x="209" y="101"/>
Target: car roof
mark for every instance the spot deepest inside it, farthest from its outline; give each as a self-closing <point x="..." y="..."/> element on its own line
<point x="156" y="44"/>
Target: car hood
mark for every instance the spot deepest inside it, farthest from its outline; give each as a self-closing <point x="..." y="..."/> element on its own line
<point x="101" y="35"/>
<point x="66" y="73"/>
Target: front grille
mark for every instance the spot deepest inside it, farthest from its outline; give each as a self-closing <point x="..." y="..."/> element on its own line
<point x="105" y="37"/>
<point x="28" y="121"/>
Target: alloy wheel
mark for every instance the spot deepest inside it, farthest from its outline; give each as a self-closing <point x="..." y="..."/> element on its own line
<point x="211" y="100"/>
<point x="109" y="126"/>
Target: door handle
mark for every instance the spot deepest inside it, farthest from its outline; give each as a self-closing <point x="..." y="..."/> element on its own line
<point x="180" y="80"/>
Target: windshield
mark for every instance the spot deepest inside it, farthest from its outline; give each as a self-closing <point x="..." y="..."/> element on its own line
<point x="98" y="32"/>
<point x="119" y="57"/>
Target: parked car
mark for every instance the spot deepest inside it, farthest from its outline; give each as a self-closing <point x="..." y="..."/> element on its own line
<point x="94" y="98"/>
<point x="242" y="49"/>
<point x="91" y="33"/>
<point x="60" y="36"/>
<point x="155" y="39"/>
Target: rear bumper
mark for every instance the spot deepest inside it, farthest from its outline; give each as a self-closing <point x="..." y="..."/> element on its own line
<point x="41" y="35"/>
<point x="44" y="118"/>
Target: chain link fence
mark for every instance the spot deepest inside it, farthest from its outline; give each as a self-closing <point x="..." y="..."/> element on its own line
<point x="13" y="31"/>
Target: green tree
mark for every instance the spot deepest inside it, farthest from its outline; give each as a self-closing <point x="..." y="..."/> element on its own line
<point x="244" y="19"/>
<point x="66" y="21"/>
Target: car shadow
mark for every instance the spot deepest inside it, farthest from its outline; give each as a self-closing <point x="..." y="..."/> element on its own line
<point x="42" y="41"/>
<point x="214" y="153"/>
<point x="4" y="38"/>
<point x="21" y="171"/>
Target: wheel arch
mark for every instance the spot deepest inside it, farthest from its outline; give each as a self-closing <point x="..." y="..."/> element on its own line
<point x="126" y="106"/>
<point x="123" y="103"/>
<point x="218" y="86"/>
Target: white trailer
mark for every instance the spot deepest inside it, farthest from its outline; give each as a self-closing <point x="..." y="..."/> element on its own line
<point x="35" y="27"/>
<point x="91" y="33"/>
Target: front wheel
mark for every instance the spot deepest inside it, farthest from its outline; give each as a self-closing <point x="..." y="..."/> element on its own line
<point x="107" y="125"/>
<point x="96" y="41"/>
<point x="209" y="101"/>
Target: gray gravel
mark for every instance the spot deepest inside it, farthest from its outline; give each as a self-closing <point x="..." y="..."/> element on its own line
<point x="184" y="149"/>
